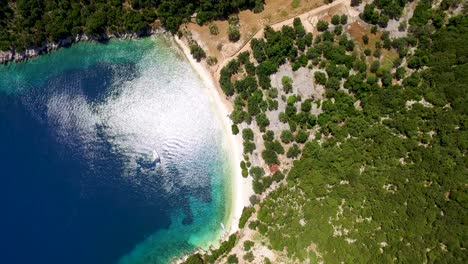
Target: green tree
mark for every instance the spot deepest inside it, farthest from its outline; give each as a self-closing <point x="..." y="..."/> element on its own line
<point x="302" y="136"/>
<point x="262" y="121"/>
<point x="335" y="20"/>
<point x="344" y="19"/>
<point x="322" y="25"/>
<point x="247" y="134"/>
<point x="320" y="78"/>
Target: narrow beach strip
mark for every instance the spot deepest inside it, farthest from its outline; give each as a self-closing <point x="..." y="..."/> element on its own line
<point x="242" y="187"/>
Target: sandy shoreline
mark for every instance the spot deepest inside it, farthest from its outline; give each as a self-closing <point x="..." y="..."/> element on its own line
<point x="242" y="187"/>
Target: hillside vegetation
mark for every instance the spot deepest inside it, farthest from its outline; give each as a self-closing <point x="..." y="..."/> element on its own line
<point x="390" y="182"/>
<point x="29" y="23"/>
<point x="380" y="173"/>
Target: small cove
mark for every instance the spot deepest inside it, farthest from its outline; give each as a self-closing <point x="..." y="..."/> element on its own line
<point x="79" y="128"/>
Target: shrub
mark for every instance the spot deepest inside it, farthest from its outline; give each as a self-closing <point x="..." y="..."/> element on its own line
<point x="275" y="146"/>
<point x="232" y="259"/>
<point x="249" y="147"/>
<point x="273" y="92"/>
<point x="233" y="19"/>
<point x="233" y="33"/>
<point x="372" y="79"/>
<point x="299" y="28"/>
<point x="333" y="83"/>
<point x="213" y="29"/>
<point x="248" y="244"/>
<point x="278" y="176"/>
<point x="253" y="225"/>
<point x="377" y="53"/>
<point x="286" y="136"/>
<point x="257" y="172"/>
<point x="249" y="257"/>
<point x="223" y="249"/>
<point x="293" y="152"/>
<point x="367" y="52"/>
<point x="402" y="26"/>
<point x="383" y="21"/>
<point x="306" y="105"/>
<point x="286" y="81"/>
<point x="258" y="187"/>
<point x="270" y="157"/>
<point x="338" y="30"/>
<point x="254" y="199"/>
<point x="400" y="73"/>
<point x="295" y="3"/>
<point x="258" y="6"/>
<point x="245" y="173"/>
<point x="197" y="52"/>
<point x="414" y="62"/>
<point x="374" y="66"/>
<point x="194" y="259"/>
<point x="283" y="117"/>
<point x="302" y="136"/>
<point x="378" y="44"/>
<point x="211" y="60"/>
<point x="268" y="136"/>
<point x="320" y="78"/>
<point x="365" y="39"/>
<point x="247" y="134"/>
<point x="344" y="19"/>
<point x="235" y="129"/>
<point x="397" y="62"/>
<point x="292" y="125"/>
<point x="262" y="121"/>
<point x="246" y="213"/>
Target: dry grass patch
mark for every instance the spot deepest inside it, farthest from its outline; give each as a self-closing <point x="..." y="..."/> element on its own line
<point x="357" y="31"/>
<point x="249" y="24"/>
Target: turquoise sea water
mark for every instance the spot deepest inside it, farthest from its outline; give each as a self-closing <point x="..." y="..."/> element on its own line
<point x="80" y="131"/>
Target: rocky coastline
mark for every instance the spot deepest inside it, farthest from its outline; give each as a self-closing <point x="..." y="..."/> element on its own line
<point x="15" y="56"/>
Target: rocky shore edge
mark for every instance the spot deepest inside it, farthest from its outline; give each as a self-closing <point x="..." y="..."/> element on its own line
<point x="14" y="56"/>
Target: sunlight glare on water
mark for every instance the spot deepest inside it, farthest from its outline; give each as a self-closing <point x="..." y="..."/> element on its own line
<point x="153" y="104"/>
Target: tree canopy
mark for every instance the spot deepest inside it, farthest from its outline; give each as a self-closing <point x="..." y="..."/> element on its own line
<point x="30" y="23"/>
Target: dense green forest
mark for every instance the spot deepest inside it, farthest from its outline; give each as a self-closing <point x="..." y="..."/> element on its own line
<point x="29" y="23"/>
<point x="390" y="183"/>
<point x="383" y="178"/>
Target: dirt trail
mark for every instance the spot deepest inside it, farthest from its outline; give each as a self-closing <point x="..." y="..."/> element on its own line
<point x="309" y="20"/>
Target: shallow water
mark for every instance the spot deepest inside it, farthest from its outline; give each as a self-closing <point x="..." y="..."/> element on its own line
<point x="109" y="154"/>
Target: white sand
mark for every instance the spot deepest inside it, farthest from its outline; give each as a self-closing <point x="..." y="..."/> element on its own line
<point x="241" y="187"/>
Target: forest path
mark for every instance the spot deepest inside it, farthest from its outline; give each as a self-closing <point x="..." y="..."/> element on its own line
<point x="309" y="20"/>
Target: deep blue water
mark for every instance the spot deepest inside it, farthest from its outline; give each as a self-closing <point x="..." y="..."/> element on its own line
<point x="66" y="198"/>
